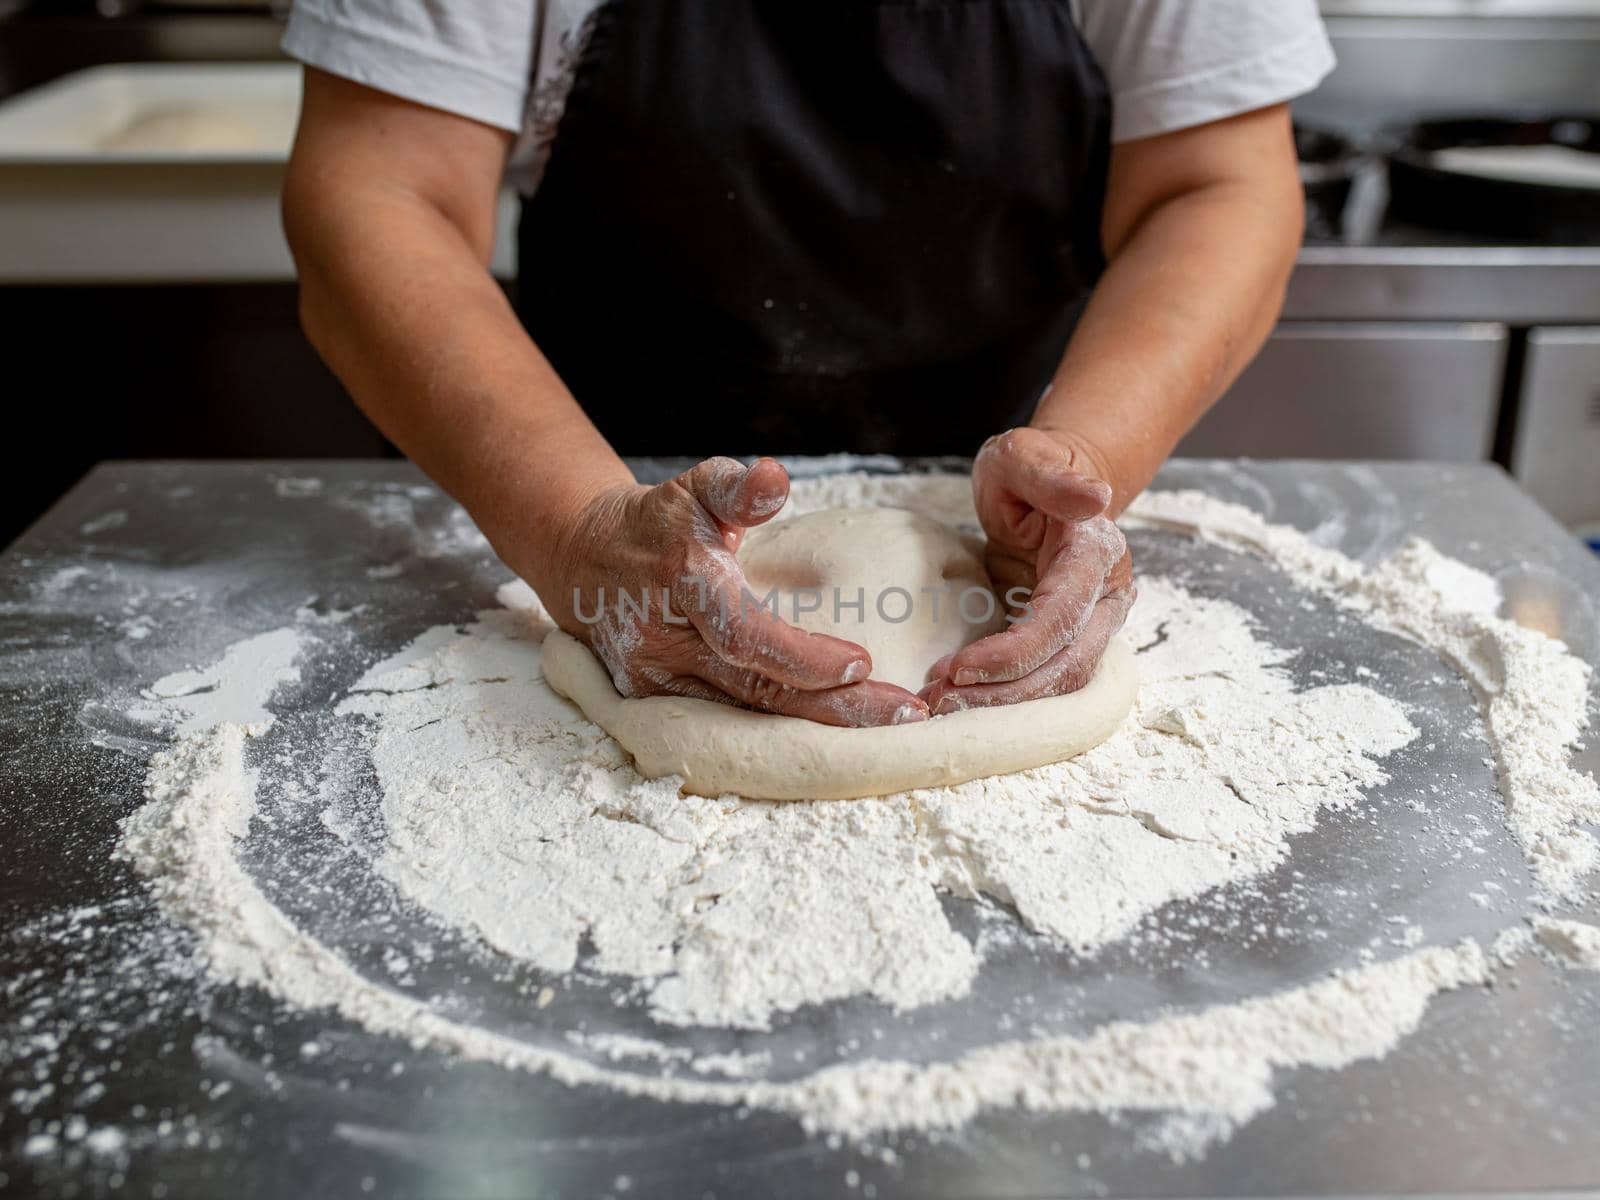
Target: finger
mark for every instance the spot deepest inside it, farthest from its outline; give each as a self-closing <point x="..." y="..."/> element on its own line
<point x="860" y="705"/>
<point x="719" y="603"/>
<point x="690" y="688"/>
<point x="1054" y="615"/>
<point x="1067" y="672"/>
<point x="1057" y="612"/>
<point x="736" y="495"/>
<point x="1120" y="578"/>
<point x="1010" y="576"/>
<point x="1040" y="471"/>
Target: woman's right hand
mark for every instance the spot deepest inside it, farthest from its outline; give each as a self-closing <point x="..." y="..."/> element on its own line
<point x="605" y="575"/>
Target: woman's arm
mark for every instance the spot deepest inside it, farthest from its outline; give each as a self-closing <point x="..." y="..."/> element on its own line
<point x="389" y="209"/>
<point x="1201" y="228"/>
<point x="390" y="212"/>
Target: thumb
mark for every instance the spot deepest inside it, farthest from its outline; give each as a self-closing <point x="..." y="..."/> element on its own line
<point x="736" y="495"/>
<point x="1044" y="473"/>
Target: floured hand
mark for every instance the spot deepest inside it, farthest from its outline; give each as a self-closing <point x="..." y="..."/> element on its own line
<point x="648" y="579"/>
<point x="1052" y="540"/>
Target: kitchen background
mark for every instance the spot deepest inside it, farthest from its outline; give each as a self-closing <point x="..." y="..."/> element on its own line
<point x="1446" y="306"/>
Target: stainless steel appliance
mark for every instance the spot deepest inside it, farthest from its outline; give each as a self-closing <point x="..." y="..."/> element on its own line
<point x="1556" y="451"/>
<point x="1405" y="341"/>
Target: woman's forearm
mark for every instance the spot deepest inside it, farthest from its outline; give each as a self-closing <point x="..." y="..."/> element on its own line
<point x="389" y="208"/>
<point x="1189" y="296"/>
<point x="397" y="302"/>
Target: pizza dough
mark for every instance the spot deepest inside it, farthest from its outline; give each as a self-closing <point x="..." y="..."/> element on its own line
<point x="922" y="590"/>
<point x="899" y="578"/>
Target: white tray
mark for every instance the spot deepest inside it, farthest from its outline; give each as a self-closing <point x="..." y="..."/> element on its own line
<point x="76" y="118"/>
<point x="76" y="208"/>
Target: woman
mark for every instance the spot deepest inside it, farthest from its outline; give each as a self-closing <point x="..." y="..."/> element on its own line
<point x="756" y="226"/>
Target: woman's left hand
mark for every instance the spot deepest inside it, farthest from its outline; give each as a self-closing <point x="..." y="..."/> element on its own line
<point x="1047" y="516"/>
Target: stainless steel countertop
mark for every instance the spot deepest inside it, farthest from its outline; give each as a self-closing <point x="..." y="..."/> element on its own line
<point x="1499" y="1091"/>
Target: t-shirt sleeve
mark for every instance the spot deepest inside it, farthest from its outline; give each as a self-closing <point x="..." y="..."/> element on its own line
<point x="1173" y="64"/>
<point x="468" y="57"/>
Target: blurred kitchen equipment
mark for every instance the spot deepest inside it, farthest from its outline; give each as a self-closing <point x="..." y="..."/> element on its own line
<point x="1329" y="162"/>
<point x="1393" y="70"/>
<point x="1556" y="449"/>
<point x="1434" y="326"/>
<point x="83" y="117"/>
<point x="1461" y="8"/>
<point x="1535" y="179"/>
<point x="81" y="201"/>
<point x="160" y="172"/>
<point x="152" y="190"/>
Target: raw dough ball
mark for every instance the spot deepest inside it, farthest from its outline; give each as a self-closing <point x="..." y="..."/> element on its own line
<point x="719" y="749"/>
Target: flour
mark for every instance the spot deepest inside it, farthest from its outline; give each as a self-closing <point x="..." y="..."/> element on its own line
<point x="507" y="815"/>
<point x="397" y="509"/>
<point x="235" y="688"/>
<point x="1570" y="943"/>
<point x="1217" y="1063"/>
<point x="1535" y="693"/>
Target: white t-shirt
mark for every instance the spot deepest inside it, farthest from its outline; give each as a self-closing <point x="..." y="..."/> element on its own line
<point x="1171" y="64"/>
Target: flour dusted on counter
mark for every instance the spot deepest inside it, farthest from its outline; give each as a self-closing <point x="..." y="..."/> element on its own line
<point x="1534" y="692"/>
<point x="1216" y="1064"/>
<point x="235" y="688"/>
<point x="1571" y="943"/>
<point x="507" y="815"/>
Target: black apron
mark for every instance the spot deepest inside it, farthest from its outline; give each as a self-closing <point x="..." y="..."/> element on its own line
<point x="804" y="226"/>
